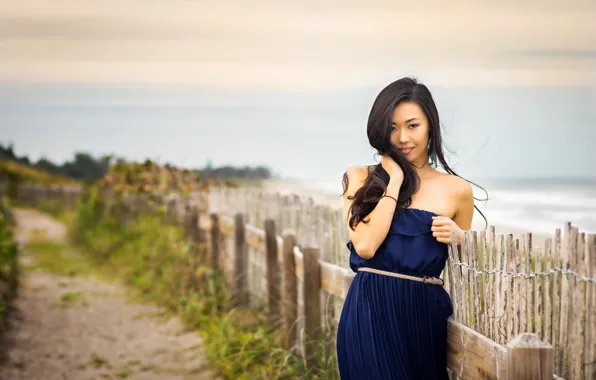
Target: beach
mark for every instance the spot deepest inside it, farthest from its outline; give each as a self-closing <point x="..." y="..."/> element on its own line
<point x="305" y="189"/>
<point x="514" y="206"/>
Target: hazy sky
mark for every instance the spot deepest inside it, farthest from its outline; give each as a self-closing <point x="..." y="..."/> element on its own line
<point x="290" y="45"/>
<point x="262" y="82"/>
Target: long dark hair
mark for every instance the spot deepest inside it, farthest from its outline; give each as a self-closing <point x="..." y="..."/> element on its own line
<point x="379" y="130"/>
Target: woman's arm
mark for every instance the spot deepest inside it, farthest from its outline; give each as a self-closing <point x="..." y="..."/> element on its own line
<point x="367" y="237"/>
<point x="465" y="210"/>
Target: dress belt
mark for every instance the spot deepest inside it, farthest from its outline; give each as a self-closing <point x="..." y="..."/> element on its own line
<point x="425" y="279"/>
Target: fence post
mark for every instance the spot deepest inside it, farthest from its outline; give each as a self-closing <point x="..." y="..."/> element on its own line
<point x="240" y="268"/>
<point x="529" y="358"/>
<point x="273" y="277"/>
<point x="312" y="303"/>
<point x="200" y="246"/>
<point x="193" y="228"/>
<point x="215" y="236"/>
<point x="290" y="302"/>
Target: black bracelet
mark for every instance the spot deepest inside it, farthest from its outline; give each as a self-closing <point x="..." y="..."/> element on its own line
<point x="389" y="196"/>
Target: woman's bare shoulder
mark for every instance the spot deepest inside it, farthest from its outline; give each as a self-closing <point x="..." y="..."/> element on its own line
<point x="355" y="176"/>
<point x="457" y="186"/>
<point x="358" y="172"/>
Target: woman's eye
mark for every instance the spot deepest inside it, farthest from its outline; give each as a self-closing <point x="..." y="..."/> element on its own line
<point x="413" y="125"/>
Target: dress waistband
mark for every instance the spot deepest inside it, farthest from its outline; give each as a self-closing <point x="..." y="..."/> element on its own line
<point x="425" y="279"/>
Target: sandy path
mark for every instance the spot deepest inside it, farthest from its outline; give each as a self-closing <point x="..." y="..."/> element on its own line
<point x="80" y="328"/>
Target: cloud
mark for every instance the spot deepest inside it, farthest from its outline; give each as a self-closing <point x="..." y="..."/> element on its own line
<point x="297" y="47"/>
<point x="561" y="53"/>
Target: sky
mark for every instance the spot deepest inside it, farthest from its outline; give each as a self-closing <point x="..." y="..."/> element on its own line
<point x="290" y="84"/>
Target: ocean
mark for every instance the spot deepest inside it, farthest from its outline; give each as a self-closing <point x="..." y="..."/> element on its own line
<point x="489" y="132"/>
<point x="526" y="133"/>
<point x="523" y="205"/>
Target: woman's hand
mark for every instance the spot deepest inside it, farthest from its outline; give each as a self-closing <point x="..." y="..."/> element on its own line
<point x="392" y="168"/>
<point x="443" y="227"/>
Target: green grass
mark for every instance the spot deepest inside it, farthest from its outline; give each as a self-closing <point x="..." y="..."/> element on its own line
<point x="100" y="362"/>
<point x="60" y="259"/>
<point x="9" y="258"/>
<point x="70" y="298"/>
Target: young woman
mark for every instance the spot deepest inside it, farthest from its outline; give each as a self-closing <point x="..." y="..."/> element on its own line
<point x="400" y="215"/>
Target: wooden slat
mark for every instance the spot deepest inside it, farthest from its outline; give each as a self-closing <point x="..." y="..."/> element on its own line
<point x="215" y="239"/>
<point x="501" y="317"/>
<point x="312" y="304"/>
<point x="557" y="286"/>
<point x="571" y="310"/>
<point x="467" y="280"/>
<point x="537" y="308"/>
<point x="492" y="280"/>
<point x="530" y="325"/>
<point x="474" y="281"/>
<point x="486" y="292"/>
<point x="547" y="297"/>
<point x="519" y="294"/>
<point x="227" y="238"/>
<point x="273" y="270"/>
<point x="240" y="262"/>
<point x="576" y="325"/>
<point x="509" y="299"/>
<point x="473" y="356"/>
<point x="564" y="324"/>
<point x="590" y="343"/>
<point x="455" y="279"/>
<point x="525" y="284"/>
<point x="290" y="301"/>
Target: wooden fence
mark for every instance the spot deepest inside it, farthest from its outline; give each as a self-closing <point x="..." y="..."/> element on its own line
<point x="513" y="315"/>
<point x="503" y="286"/>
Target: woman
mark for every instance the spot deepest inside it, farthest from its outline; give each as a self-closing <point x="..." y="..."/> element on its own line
<point x="400" y="216"/>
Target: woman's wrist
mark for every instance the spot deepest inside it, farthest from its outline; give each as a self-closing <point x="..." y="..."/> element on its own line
<point x="393" y="187"/>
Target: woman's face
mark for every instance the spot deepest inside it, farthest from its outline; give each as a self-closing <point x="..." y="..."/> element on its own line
<point x="410" y="131"/>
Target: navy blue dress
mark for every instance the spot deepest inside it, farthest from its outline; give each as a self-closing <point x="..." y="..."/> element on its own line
<point x="392" y="328"/>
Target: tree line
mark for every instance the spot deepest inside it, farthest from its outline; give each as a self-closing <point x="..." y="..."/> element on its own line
<point x="84" y="166"/>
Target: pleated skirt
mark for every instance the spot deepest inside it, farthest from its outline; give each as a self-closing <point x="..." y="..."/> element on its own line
<point x="393" y="329"/>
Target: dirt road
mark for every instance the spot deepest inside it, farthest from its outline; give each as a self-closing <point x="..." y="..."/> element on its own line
<point x="78" y="327"/>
